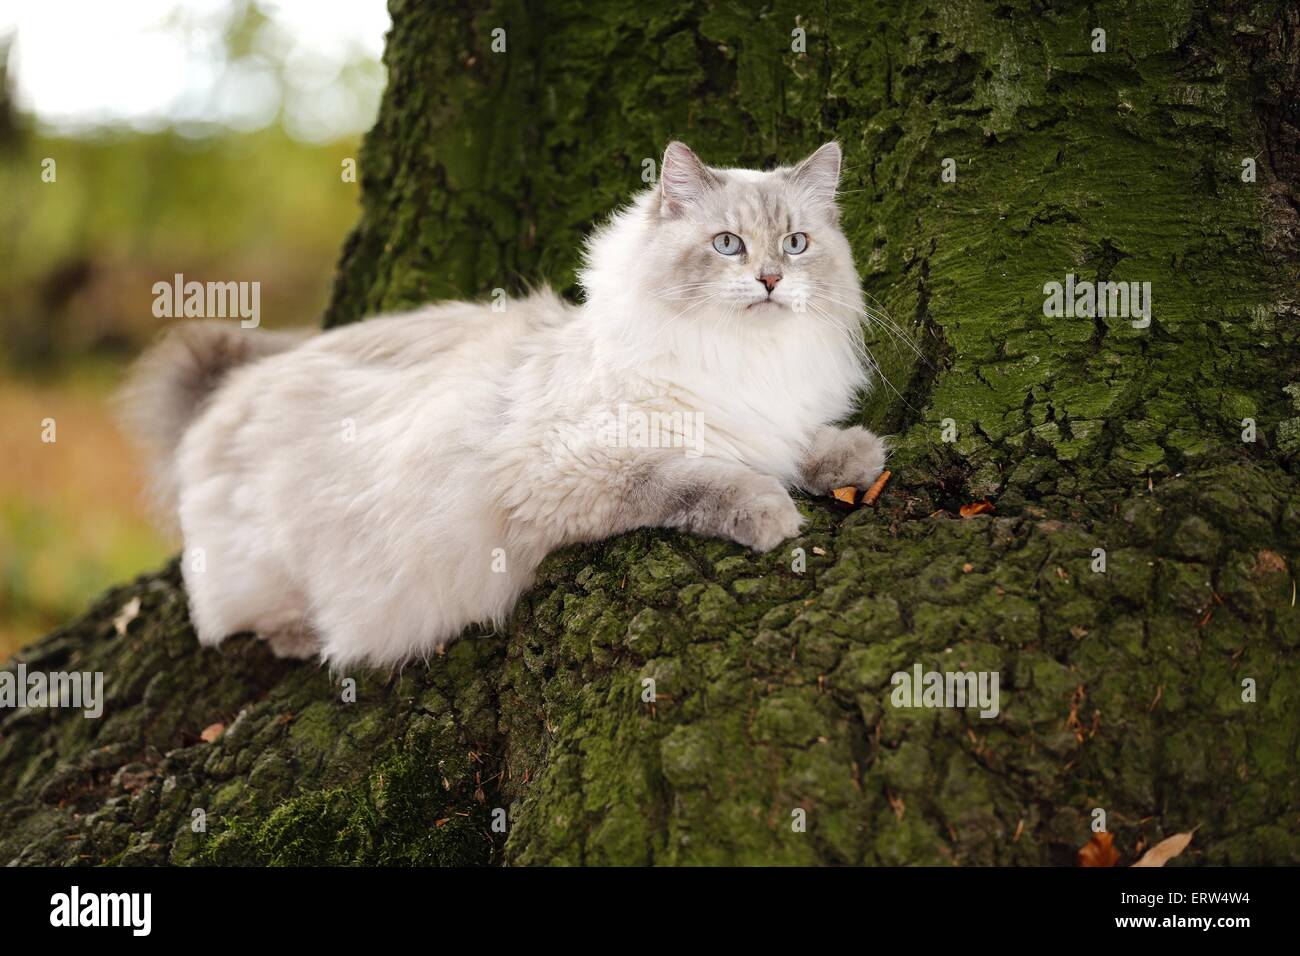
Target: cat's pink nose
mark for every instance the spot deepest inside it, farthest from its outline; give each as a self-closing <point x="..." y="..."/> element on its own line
<point x="770" y="281"/>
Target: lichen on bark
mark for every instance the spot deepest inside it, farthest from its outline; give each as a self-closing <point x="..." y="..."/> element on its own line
<point x="1121" y="690"/>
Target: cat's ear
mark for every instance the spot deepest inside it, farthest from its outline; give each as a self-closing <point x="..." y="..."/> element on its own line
<point x="683" y="179"/>
<point x="819" y="175"/>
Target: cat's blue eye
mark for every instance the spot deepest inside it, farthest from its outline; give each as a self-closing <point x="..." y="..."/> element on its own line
<point x="795" y="243"/>
<point x="728" y="243"/>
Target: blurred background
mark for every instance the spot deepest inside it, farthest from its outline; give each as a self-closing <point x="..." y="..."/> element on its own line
<point x="203" y="137"/>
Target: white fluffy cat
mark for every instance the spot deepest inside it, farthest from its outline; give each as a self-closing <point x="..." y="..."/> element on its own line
<point x="369" y="492"/>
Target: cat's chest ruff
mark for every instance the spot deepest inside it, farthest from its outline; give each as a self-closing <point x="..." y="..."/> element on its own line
<point x="779" y="385"/>
<point x="764" y="425"/>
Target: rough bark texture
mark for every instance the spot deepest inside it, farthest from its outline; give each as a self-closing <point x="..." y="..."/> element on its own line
<point x="1120" y="690"/>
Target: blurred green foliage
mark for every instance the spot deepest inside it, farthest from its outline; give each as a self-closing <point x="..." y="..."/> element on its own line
<point x="80" y="256"/>
<point x="124" y="211"/>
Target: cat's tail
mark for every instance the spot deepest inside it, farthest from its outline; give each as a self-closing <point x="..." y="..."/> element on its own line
<point x="168" y="386"/>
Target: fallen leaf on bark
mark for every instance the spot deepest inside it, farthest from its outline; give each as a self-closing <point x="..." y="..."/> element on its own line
<point x="1165" y="850"/>
<point x="876" y="488"/>
<point x="976" y="508"/>
<point x="1100" y="851"/>
<point x="212" y="732"/>
<point x="847" y="495"/>
<point x="1269" y="562"/>
<point x="130" y="611"/>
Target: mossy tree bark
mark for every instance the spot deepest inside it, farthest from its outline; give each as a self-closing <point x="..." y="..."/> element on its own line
<point x="1121" y="689"/>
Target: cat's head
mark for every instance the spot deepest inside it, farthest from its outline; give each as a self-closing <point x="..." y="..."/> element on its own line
<point x="750" y="246"/>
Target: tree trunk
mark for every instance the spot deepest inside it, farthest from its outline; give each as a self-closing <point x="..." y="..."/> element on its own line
<point x="1127" y="689"/>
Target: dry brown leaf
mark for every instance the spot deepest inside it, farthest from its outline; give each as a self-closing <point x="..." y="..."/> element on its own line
<point x="1100" y="851"/>
<point x="896" y="804"/>
<point x="848" y="495"/>
<point x="129" y="612"/>
<point x="212" y="732"/>
<point x="1166" y="850"/>
<point x="876" y="488"/>
<point x="1072" y="721"/>
<point x="1268" y="562"/>
<point x="976" y="508"/>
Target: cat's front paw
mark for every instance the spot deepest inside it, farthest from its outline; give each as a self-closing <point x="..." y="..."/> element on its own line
<point x="838" y="457"/>
<point x="765" y="520"/>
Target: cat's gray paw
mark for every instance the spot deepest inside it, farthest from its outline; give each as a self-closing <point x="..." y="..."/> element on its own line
<point x="765" y="520"/>
<point x="742" y="506"/>
<point x="839" y="457"/>
<point x="297" y="642"/>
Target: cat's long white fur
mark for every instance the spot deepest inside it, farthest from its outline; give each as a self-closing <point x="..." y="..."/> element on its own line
<point x="376" y="489"/>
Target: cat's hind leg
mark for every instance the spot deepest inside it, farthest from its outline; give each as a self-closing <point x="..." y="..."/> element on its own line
<point x="232" y="591"/>
<point x="222" y="605"/>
